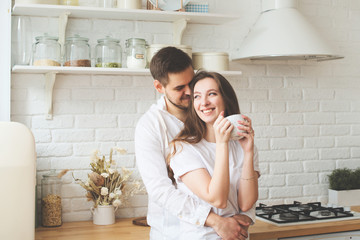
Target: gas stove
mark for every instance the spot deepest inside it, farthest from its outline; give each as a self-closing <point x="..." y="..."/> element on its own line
<point x="298" y="213"/>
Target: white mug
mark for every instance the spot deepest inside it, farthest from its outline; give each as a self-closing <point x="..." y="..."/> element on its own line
<point x="129" y="4"/>
<point x="234" y="121"/>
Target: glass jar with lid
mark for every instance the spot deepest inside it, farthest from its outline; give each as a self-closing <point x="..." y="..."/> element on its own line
<point x="77" y="52"/>
<point x="46" y="51"/>
<point x="135" y="53"/>
<point x="51" y="200"/>
<point x="108" y="53"/>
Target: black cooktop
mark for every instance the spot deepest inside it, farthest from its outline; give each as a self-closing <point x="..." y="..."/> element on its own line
<point x="299" y="212"/>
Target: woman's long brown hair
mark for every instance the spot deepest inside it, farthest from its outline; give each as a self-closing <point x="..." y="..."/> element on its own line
<point x="194" y="128"/>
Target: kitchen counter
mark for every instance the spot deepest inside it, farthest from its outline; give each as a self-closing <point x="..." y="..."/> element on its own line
<point x="123" y="229"/>
<point x="127" y="231"/>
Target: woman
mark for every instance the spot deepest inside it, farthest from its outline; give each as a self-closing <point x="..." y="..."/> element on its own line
<point x="205" y="162"/>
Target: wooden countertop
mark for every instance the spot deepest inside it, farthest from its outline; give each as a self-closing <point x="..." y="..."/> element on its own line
<point x="124" y="229"/>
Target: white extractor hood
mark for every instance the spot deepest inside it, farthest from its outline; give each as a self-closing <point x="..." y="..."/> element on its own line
<point x="282" y="33"/>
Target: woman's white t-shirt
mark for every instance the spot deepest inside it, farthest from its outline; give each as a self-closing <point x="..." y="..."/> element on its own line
<point x="190" y="157"/>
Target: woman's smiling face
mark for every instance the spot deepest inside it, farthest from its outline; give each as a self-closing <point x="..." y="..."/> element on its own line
<point x="208" y="101"/>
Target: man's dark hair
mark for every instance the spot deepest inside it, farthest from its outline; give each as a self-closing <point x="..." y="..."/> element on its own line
<point x="168" y="60"/>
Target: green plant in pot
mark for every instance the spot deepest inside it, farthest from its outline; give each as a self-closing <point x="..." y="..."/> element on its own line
<point x="344" y="187"/>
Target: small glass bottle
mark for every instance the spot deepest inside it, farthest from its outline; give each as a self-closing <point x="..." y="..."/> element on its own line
<point x="108" y="53"/>
<point x="51" y="200"/>
<point x="46" y="51"/>
<point x="70" y="2"/>
<point x="135" y="53"/>
<point x="77" y="52"/>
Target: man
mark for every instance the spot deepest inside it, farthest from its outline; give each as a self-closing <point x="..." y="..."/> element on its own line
<point x="172" y="71"/>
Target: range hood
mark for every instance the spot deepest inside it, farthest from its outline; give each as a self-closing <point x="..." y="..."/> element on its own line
<point x="282" y="33"/>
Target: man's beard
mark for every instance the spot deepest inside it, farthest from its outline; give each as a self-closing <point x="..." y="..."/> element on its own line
<point x="177" y="105"/>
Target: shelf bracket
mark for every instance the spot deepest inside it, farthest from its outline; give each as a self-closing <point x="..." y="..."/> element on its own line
<point x="178" y="30"/>
<point x="49" y="88"/>
<point x="63" y="19"/>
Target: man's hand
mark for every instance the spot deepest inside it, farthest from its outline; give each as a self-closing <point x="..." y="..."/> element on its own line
<point x="243" y="220"/>
<point x="231" y="228"/>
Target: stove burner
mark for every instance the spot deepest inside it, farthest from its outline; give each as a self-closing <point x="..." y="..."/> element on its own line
<point x="325" y="213"/>
<point x="268" y="210"/>
<point x="287" y="216"/>
<point x="303" y="207"/>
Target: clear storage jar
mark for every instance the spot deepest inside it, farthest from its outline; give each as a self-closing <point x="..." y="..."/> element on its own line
<point x="108" y="53"/>
<point x="51" y="200"/>
<point x="135" y="53"/>
<point x="77" y="52"/>
<point x="53" y="2"/>
<point x="46" y="51"/>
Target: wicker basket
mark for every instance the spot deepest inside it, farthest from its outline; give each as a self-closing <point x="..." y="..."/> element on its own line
<point x="150" y="6"/>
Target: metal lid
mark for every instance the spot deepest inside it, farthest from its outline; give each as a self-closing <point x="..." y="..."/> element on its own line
<point x="210" y="54"/>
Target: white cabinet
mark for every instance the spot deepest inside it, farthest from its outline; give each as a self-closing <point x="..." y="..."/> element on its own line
<point x="60" y="11"/>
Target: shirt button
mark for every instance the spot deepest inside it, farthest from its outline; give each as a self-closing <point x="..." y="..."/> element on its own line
<point x="180" y="216"/>
<point x="197" y="223"/>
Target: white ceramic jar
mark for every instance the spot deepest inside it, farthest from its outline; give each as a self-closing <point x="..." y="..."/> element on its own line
<point x="129" y="4"/>
<point x="211" y="61"/>
<point x="154" y="48"/>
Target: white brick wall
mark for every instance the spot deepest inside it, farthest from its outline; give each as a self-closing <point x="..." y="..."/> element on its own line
<point x="306" y="115"/>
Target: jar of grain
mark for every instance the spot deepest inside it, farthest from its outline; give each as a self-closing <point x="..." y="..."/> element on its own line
<point x="51" y="200"/>
<point x="108" y="53"/>
<point x="77" y="52"/>
<point x="46" y="51"/>
<point x="135" y="53"/>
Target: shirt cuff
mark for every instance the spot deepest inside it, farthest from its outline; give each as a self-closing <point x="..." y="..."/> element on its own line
<point x="251" y="214"/>
<point x="199" y="217"/>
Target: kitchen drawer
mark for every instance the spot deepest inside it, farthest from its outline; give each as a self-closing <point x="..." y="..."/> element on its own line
<point x="353" y="235"/>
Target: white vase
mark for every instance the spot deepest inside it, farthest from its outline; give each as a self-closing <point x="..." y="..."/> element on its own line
<point x="344" y="198"/>
<point x="103" y="215"/>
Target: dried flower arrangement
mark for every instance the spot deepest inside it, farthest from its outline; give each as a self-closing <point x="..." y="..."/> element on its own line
<point x="105" y="184"/>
